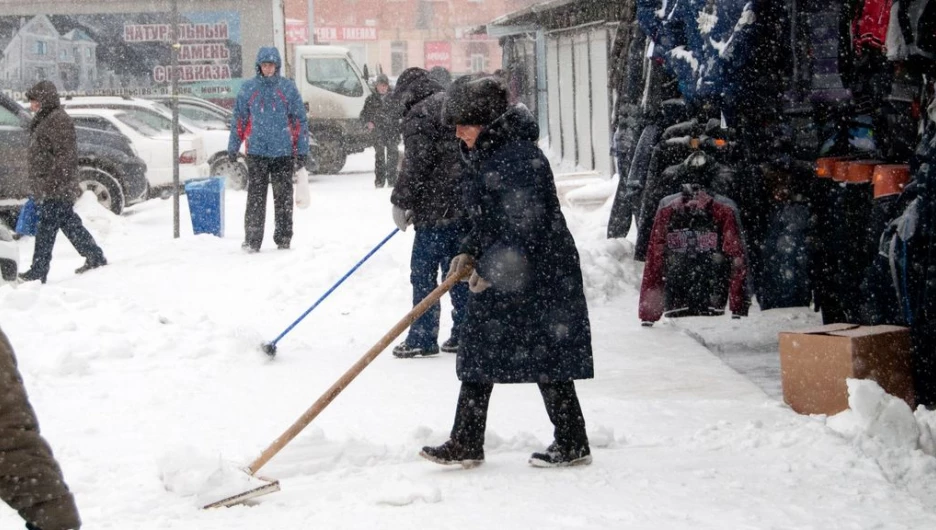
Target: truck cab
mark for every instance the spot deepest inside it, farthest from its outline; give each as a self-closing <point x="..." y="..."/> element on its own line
<point x="333" y="90"/>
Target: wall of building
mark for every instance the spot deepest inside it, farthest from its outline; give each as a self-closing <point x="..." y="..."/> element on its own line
<point x="432" y="32"/>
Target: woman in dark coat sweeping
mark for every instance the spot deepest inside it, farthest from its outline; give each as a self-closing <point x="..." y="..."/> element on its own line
<point x="527" y="318"/>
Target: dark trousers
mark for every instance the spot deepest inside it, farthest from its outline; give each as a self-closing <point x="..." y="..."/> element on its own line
<point x="562" y="406"/>
<point x="433" y="250"/>
<point x="263" y="172"/>
<point x="386" y="157"/>
<point x="55" y="215"/>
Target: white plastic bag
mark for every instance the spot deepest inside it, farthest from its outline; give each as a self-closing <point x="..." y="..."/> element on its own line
<point x="302" y="188"/>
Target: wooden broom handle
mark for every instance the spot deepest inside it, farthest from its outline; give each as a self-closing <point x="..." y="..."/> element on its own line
<point x="354" y="371"/>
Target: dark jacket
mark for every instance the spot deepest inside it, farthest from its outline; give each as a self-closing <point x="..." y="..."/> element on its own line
<point x="532" y="325"/>
<point x="32" y="481"/>
<point x="696" y="260"/>
<point x="269" y="115"/>
<point x="377" y="110"/>
<point x="429" y="183"/>
<point x="53" y="149"/>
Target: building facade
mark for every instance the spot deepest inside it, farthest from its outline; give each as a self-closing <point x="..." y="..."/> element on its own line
<point x="392" y="35"/>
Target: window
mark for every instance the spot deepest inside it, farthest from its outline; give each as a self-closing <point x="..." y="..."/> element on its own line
<point x="139" y="126"/>
<point x="40" y="73"/>
<point x="9" y="118"/>
<point x="87" y="53"/>
<point x="477" y="62"/>
<point x="398" y="60"/>
<point x="93" y="122"/>
<point x="41" y="48"/>
<point x="63" y="53"/>
<point x="334" y="74"/>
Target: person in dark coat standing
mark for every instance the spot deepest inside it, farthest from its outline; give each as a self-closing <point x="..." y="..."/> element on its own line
<point x="428" y="195"/>
<point x="384" y="126"/>
<point x="270" y="118"/>
<point x="527" y="316"/>
<point x="32" y="482"/>
<point x="53" y="180"/>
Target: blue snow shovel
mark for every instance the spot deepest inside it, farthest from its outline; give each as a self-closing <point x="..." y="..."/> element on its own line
<point x="269" y="348"/>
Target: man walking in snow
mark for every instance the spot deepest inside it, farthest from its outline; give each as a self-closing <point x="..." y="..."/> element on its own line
<point x="428" y="195"/>
<point x="270" y="117"/>
<point x="384" y="126"/>
<point x="31" y="481"/>
<point x="53" y="182"/>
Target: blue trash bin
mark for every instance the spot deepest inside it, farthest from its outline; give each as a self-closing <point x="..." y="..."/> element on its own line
<point x="206" y="205"/>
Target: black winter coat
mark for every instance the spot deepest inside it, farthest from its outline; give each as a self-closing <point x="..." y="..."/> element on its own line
<point x="53" y="148"/>
<point x="532" y="325"/>
<point x="429" y="183"/>
<point x="377" y="110"/>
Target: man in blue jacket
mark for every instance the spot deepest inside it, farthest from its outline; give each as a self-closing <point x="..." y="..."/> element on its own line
<point x="270" y="118"/>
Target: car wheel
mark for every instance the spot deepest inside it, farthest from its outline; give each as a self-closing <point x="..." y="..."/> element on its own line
<point x="235" y="172"/>
<point x="103" y="185"/>
<point x="330" y="157"/>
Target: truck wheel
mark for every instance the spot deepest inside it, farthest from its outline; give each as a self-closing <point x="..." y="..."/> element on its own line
<point x="330" y="157"/>
<point x="236" y="172"/>
<point x="104" y="186"/>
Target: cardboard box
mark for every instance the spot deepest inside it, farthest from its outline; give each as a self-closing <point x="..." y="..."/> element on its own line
<point x="814" y="364"/>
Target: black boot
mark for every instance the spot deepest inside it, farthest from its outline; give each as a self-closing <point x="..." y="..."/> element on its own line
<point x="452" y="453"/>
<point x="91" y="264"/>
<point x="31" y="275"/>
<point x="556" y="456"/>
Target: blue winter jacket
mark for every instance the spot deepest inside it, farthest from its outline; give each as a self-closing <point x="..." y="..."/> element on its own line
<point x="269" y="115"/>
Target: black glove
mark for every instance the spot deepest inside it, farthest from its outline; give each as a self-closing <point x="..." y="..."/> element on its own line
<point x="232" y="156"/>
<point x="300" y="161"/>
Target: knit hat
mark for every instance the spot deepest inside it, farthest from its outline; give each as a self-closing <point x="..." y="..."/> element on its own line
<point x="473" y="100"/>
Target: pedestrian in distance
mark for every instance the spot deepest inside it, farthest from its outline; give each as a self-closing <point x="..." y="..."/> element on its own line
<point x="270" y="119"/>
<point x="428" y="195"/>
<point x="53" y="179"/>
<point x="527" y="316"/>
<point x="31" y="480"/>
<point x="384" y="126"/>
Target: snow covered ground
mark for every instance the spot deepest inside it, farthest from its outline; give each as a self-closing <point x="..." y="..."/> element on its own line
<point x="147" y="375"/>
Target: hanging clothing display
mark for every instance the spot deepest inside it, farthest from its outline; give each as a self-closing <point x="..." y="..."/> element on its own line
<point x="696" y="262"/>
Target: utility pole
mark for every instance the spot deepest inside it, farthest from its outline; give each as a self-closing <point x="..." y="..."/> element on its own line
<point x="174" y="49"/>
<point x="311" y="22"/>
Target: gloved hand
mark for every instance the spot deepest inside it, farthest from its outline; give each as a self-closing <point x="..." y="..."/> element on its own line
<point x="232" y="156"/>
<point x="458" y="263"/>
<point x="299" y="162"/>
<point x="402" y="218"/>
<point x="477" y="284"/>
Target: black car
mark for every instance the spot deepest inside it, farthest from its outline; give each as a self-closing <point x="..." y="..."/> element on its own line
<point x="107" y="164"/>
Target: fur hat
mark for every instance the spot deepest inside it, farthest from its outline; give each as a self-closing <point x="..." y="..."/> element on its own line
<point x="474" y="100"/>
<point x="382" y="79"/>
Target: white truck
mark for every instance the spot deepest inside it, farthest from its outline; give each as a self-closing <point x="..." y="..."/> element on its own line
<point x="333" y="89"/>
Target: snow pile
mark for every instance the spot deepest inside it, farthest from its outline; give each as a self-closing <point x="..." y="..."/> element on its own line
<point x="884" y="428"/>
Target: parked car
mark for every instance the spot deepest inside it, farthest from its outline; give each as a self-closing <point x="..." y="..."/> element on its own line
<point x="9" y="255"/>
<point x="107" y="164"/>
<point x="152" y="138"/>
<point x="211" y="116"/>
<point x="214" y="136"/>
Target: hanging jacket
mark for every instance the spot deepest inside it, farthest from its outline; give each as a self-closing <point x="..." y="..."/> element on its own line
<point x="269" y="115"/>
<point x="697" y="259"/>
<point x="870" y="24"/>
